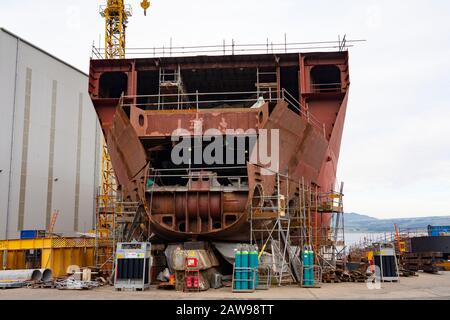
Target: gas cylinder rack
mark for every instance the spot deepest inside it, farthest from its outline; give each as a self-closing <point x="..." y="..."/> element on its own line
<point x="133" y="266"/>
<point x="245" y="269"/>
<point x="311" y="275"/>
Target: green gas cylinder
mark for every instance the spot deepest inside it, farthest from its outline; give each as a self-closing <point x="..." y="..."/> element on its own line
<point x="245" y="263"/>
<point x="253" y="264"/>
<point x="238" y="273"/>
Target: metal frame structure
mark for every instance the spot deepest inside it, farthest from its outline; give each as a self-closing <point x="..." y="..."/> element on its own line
<point x="235" y="49"/>
<point x="149" y="130"/>
<point x="329" y="243"/>
<point x="300" y="228"/>
<point x="55" y="253"/>
<point x="251" y="279"/>
<point x="116" y="14"/>
<point x="317" y="270"/>
<point x="105" y="231"/>
<point x="270" y="228"/>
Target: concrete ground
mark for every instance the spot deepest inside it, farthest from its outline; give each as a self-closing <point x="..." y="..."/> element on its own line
<point x="425" y="286"/>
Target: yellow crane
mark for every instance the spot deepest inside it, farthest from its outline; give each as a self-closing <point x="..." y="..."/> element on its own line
<point x="116" y="14"/>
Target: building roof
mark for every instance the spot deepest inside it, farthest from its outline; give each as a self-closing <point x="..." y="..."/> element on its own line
<point x="41" y="50"/>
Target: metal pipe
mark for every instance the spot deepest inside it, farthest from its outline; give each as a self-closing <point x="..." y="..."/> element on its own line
<point x="46" y="275"/>
<point x="21" y="275"/>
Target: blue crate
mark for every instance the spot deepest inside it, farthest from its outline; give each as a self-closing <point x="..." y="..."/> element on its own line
<point x="32" y="234"/>
<point x="434" y="231"/>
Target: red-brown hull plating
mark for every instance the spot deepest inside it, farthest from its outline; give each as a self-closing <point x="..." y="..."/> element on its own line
<point x="213" y="203"/>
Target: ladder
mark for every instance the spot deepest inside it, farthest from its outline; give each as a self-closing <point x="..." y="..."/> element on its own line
<point x="53" y="221"/>
<point x="267" y="83"/>
<point x="172" y="94"/>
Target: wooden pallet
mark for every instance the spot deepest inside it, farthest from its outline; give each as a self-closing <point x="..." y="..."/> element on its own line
<point x="339" y="276"/>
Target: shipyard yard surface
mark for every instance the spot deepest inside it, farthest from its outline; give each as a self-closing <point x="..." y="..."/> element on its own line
<point x="425" y="286"/>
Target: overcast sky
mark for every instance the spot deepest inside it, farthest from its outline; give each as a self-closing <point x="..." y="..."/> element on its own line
<point x="395" y="158"/>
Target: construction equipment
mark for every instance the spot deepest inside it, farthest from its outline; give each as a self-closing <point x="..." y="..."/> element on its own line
<point x="386" y="260"/>
<point x="133" y="266"/>
<point x="116" y="14"/>
<point x="50" y="253"/>
<point x="401" y="246"/>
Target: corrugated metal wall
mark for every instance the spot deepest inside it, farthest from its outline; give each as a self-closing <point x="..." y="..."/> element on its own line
<point x="49" y="138"/>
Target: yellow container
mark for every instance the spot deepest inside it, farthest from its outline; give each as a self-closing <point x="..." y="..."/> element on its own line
<point x="56" y="253"/>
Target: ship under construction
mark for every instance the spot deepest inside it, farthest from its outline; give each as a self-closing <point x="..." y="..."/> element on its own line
<point x="146" y="104"/>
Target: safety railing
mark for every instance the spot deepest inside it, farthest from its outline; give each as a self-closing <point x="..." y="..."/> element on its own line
<point x="234" y="48"/>
<point x="387" y="237"/>
<point x="326" y="87"/>
<point x="96" y="54"/>
<point x="289" y="98"/>
<point x="198" y="100"/>
<point x="193" y="175"/>
<point x="212" y="100"/>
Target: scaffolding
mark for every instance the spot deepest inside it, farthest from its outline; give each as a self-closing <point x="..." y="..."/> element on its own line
<point x="125" y="215"/>
<point x="270" y="231"/>
<point x="329" y="241"/>
<point x="283" y="229"/>
<point x="301" y="226"/>
<point x="107" y="197"/>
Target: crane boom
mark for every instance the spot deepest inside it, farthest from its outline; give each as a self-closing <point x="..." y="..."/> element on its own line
<point x="116" y="14"/>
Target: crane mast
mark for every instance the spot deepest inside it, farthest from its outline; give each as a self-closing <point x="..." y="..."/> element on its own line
<point x="116" y="14"/>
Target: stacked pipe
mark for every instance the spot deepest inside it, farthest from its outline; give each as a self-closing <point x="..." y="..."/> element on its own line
<point x="43" y="275"/>
<point x="246" y="261"/>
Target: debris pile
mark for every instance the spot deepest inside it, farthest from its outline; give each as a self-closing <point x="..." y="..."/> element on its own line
<point x="73" y="284"/>
<point x="425" y="261"/>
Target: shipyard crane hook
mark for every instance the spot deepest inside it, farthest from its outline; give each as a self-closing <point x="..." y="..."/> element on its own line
<point x="145" y="4"/>
<point x="116" y="14"/>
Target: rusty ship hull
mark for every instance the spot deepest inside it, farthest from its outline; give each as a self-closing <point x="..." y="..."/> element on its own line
<point x="143" y="103"/>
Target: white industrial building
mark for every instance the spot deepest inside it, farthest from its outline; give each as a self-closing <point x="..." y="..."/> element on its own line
<point x="50" y="142"/>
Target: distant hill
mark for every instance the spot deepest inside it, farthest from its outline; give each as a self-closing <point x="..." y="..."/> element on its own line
<point x="360" y="223"/>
